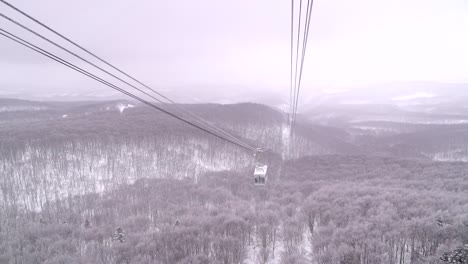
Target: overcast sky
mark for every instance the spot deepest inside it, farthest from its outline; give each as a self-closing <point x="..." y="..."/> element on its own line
<point x="241" y="47"/>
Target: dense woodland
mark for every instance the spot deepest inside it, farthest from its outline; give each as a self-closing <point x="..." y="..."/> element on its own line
<point x="100" y="186"/>
<point x="366" y="210"/>
<point x="94" y="149"/>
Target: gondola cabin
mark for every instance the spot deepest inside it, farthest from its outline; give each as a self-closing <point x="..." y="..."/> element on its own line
<point x="260" y="174"/>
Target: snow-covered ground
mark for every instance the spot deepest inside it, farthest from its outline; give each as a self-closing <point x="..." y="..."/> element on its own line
<point x="286" y="139"/>
<point x="41" y="174"/>
<point x="17" y="108"/>
<point x="408" y="120"/>
<point x="458" y="155"/>
<point x="122" y="107"/>
<point x="378" y="131"/>
<point x="304" y="249"/>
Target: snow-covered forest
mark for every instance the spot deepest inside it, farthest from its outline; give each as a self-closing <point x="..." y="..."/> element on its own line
<point x="108" y="183"/>
<point x="363" y="211"/>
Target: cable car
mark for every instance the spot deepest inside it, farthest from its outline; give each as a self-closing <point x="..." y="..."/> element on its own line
<point x="260" y="174"/>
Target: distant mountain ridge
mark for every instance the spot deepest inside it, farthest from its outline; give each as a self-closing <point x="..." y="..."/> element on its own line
<point x="397" y="93"/>
<point x="328" y="129"/>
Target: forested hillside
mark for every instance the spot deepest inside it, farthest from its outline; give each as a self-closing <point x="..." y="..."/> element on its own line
<point x="378" y="210"/>
<point x="116" y="182"/>
<point x="89" y="147"/>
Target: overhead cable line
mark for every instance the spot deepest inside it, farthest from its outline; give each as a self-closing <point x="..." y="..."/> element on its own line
<point x="117" y="88"/>
<point x="297" y="58"/>
<point x="200" y="119"/>
<point x="300" y="53"/>
<point x="86" y="73"/>
<point x="205" y="122"/>
<point x="291" y="96"/>
<point x="304" y="47"/>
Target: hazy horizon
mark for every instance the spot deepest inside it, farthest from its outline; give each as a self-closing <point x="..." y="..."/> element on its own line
<point x="241" y="49"/>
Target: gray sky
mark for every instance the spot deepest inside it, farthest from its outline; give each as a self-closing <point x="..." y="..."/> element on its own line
<point x="238" y="48"/>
